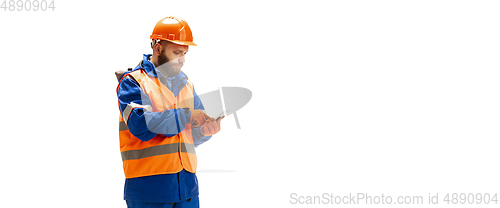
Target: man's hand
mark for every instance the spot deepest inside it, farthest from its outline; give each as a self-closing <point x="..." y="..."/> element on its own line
<point x="211" y="127"/>
<point x="198" y="118"/>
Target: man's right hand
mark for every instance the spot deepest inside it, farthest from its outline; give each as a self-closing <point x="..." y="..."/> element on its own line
<point x="198" y="118"/>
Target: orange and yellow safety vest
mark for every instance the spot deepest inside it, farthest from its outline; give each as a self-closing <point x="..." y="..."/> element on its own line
<point x="162" y="154"/>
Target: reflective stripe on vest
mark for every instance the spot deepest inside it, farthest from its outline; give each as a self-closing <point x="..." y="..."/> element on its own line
<point x="161" y="154"/>
<point x="131" y="106"/>
<point x="122" y="126"/>
<point x="157" y="150"/>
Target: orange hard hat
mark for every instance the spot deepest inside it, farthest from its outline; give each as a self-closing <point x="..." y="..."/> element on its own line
<point x="173" y="29"/>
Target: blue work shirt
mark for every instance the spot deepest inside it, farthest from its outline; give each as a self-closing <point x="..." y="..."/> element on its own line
<point x="165" y="188"/>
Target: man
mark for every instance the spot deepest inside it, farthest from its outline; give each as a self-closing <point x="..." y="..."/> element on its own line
<point x="161" y="122"/>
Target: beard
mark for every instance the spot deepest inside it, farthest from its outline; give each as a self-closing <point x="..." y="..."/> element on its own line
<point x="167" y="67"/>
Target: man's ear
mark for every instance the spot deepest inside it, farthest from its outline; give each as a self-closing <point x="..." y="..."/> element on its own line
<point x="157" y="48"/>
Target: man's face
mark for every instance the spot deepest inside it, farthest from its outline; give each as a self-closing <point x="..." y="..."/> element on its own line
<point x="171" y="58"/>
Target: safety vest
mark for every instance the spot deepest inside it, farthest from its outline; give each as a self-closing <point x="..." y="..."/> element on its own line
<point x="160" y="155"/>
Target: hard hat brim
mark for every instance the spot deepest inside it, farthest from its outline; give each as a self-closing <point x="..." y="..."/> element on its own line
<point x="180" y="42"/>
<point x="188" y="43"/>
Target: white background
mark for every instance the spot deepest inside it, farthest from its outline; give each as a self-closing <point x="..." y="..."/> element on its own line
<point x="376" y="97"/>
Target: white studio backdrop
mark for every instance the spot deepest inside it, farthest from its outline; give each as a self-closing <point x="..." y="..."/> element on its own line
<point x="398" y="98"/>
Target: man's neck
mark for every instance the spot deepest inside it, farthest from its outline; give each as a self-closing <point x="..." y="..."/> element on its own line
<point x="153" y="60"/>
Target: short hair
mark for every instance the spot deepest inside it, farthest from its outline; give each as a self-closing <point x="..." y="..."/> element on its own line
<point x="155" y="41"/>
